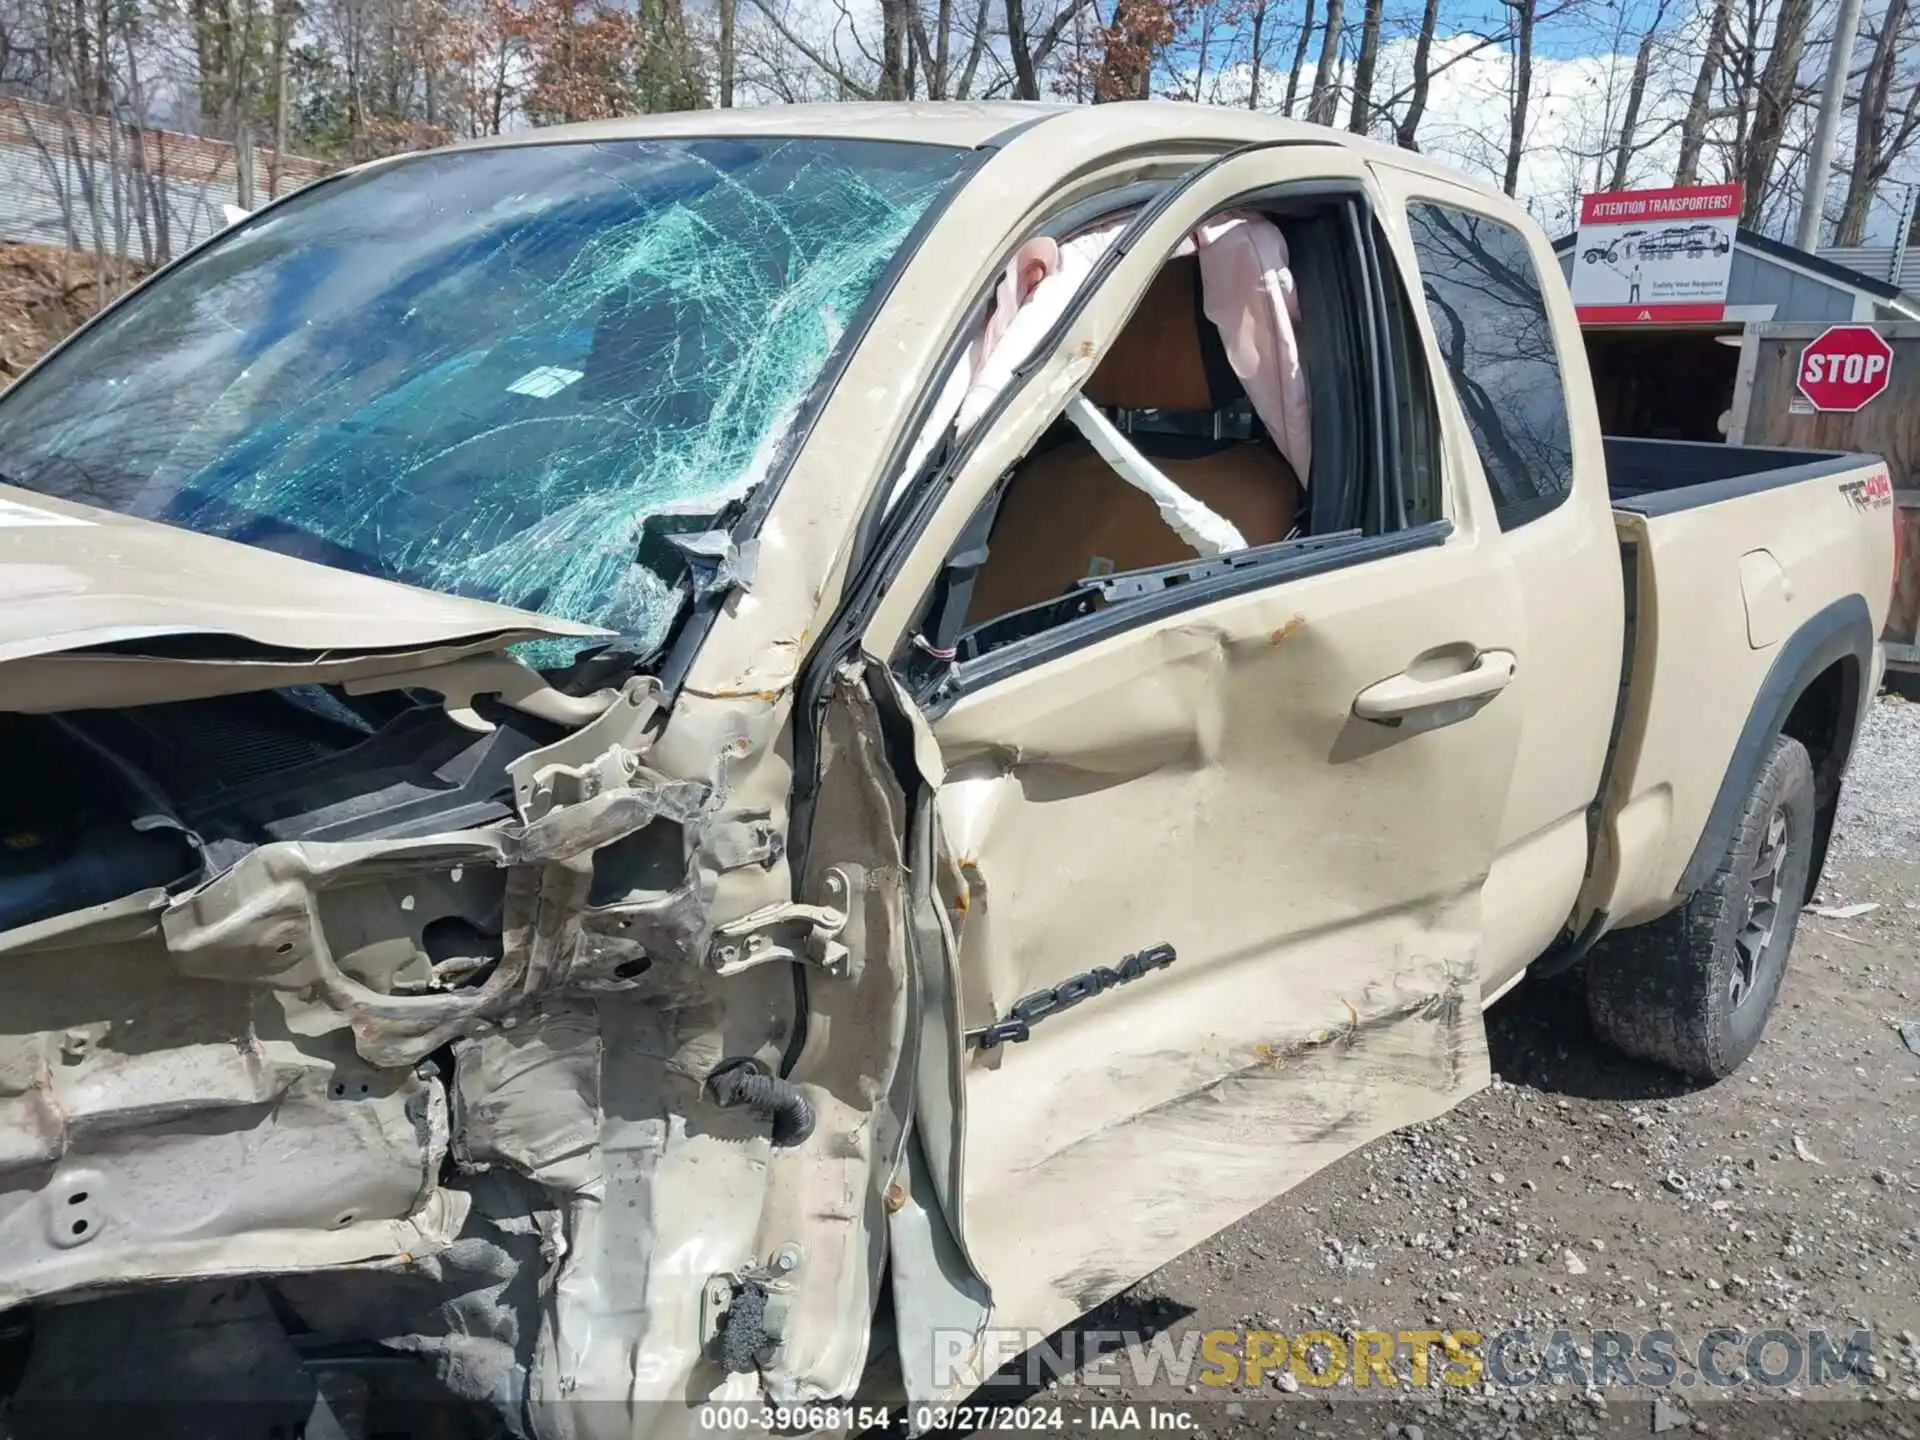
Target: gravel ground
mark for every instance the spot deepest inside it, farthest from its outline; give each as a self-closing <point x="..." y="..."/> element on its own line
<point x="1583" y="1190"/>
<point x="1880" y="807"/>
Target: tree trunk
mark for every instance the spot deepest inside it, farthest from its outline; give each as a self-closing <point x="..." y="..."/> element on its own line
<point x="1025" y="85"/>
<point x="1299" y="59"/>
<point x="102" y="84"/>
<point x="497" y="101"/>
<point x="1746" y="77"/>
<point x="1364" y="66"/>
<point x="203" y="17"/>
<point x="1693" y="129"/>
<point x="282" y="61"/>
<point x="942" y="76"/>
<point x="1256" y="40"/>
<point x="1523" y="17"/>
<point x="728" y="53"/>
<point x="142" y="177"/>
<point x="1771" y="105"/>
<point x="1407" y="133"/>
<point x="243" y="187"/>
<point x="1325" y="100"/>
<point x="1870" y="128"/>
<point x="1202" y="55"/>
<point x="976" y="47"/>
<point x="351" y="63"/>
<point x="1630" y="122"/>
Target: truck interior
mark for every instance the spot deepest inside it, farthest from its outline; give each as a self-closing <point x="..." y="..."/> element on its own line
<point x="1065" y="514"/>
<point x="1250" y="387"/>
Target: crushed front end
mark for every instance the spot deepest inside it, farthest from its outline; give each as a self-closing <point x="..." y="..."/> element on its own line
<point x="390" y="1044"/>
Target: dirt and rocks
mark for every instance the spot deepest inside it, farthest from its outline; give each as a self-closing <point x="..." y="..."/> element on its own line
<point x="1584" y="1192"/>
<point x="46" y="294"/>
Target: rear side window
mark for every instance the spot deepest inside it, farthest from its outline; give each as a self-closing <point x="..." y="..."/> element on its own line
<point x="1490" y="319"/>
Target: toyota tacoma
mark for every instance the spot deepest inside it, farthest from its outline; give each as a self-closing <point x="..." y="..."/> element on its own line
<point x="706" y="759"/>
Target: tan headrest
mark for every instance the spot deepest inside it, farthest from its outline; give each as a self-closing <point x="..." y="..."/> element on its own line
<point x="1155" y="362"/>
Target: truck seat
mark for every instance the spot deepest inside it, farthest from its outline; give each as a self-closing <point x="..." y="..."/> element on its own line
<point x="1066" y="514"/>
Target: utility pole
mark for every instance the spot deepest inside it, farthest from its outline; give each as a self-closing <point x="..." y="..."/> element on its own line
<point x="1820" y="161"/>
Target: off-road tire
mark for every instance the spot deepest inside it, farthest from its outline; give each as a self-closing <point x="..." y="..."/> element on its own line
<point x="1692" y="991"/>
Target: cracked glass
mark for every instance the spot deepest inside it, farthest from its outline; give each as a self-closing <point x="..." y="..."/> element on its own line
<point x="480" y="372"/>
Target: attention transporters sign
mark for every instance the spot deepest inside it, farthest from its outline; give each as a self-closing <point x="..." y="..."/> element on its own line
<point x="1650" y="257"/>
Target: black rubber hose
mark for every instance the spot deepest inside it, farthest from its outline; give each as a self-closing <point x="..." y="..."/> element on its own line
<point x="780" y="1101"/>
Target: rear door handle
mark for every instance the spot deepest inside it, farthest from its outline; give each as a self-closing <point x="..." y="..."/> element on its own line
<point x="1401" y="695"/>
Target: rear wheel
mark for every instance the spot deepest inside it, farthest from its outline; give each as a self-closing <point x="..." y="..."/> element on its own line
<point x="1693" y="990"/>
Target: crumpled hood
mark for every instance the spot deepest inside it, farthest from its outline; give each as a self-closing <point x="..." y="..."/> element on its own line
<point x="73" y="577"/>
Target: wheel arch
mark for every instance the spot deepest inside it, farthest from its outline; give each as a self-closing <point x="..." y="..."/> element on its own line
<point x="1815" y="692"/>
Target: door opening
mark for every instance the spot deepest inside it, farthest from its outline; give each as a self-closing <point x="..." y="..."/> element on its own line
<point x="1663" y="384"/>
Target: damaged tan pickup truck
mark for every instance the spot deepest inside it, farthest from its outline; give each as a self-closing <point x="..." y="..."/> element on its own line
<point x="689" y="760"/>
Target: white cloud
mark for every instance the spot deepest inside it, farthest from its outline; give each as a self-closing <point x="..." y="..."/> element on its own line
<point x="1574" y="113"/>
<point x="1573" y="118"/>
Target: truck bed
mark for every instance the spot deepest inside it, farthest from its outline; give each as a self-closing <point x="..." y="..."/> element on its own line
<point x="1657" y="477"/>
<point x="1743" y="566"/>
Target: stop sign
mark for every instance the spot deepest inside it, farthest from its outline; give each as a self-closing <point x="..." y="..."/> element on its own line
<point x="1847" y="366"/>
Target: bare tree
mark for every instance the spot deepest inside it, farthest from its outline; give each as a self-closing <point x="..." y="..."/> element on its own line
<point x="893" y="51"/>
<point x="1884" y="127"/>
<point x="727" y="56"/>
<point x="1020" y="47"/>
<point x="282" y="63"/>
<point x="1324" y="103"/>
<point x="1774" y="98"/>
<point x="1256" y="50"/>
<point x="1299" y="58"/>
<point x="962" y="88"/>
<point x="1520" y="89"/>
<point x="1628" y="143"/>
<point x="1134" y="23"/>
<point x="1693" y="130"/>
<point x="350" y="79"/>
<point x="1360" y="118"/>
<point x="1406" y="132"/>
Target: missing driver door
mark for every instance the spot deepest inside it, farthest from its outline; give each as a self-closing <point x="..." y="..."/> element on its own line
<point x="1191" y="771"/>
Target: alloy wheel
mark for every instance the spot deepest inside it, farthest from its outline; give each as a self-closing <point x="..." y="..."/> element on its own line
<point x="1762" y="907"/>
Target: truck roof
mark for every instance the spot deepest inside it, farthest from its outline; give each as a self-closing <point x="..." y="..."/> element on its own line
<point x="927" y="123"/>
<point x="973" y="123"/>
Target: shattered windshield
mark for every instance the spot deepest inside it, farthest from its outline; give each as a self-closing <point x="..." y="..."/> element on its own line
<point x="480" y="372"/>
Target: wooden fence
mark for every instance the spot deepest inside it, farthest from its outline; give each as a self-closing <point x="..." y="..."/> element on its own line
<point x="1768" y="400"/>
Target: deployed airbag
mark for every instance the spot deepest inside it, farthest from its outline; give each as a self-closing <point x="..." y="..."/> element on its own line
<point x="1249" y="295"/>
